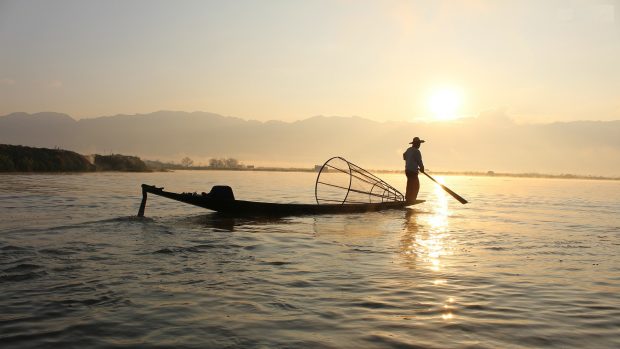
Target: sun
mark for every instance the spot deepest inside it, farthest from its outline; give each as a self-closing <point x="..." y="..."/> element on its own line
<point x="445" y="103"/>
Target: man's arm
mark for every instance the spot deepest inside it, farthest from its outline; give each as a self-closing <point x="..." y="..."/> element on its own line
<point x="421" y="164"/>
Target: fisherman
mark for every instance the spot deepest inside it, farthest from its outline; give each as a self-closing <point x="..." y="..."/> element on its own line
<point x="413" y="162"/>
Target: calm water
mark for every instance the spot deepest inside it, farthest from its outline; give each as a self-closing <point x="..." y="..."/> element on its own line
<point x="529" y="263"/>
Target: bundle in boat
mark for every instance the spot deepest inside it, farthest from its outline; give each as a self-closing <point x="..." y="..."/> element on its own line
<point x="342" y="182"/>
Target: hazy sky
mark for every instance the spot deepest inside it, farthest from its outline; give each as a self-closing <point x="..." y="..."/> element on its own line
<point x="537" y="61"/>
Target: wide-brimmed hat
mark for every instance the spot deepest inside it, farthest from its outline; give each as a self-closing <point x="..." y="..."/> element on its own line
<point x="416" y="140"/>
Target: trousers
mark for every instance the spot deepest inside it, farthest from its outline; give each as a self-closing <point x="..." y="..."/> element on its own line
<point x="413" y="186"/>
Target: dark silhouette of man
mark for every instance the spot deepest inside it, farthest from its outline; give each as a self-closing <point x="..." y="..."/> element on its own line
<point x="413" y="163"/>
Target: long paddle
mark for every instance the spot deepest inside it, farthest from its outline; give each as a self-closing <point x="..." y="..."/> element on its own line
<point x="454" y="195"/>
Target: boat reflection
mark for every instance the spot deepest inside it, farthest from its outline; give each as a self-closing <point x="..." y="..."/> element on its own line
<point x="223" y="222"/>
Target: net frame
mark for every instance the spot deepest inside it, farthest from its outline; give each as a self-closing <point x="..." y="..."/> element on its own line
<point x="379" y="188"/>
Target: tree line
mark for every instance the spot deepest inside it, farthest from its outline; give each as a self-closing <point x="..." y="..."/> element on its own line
<point x="219" y="163"/>
<point x="225" y="163"/>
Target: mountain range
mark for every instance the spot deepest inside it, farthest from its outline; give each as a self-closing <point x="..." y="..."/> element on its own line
<point x="490" y="142"/>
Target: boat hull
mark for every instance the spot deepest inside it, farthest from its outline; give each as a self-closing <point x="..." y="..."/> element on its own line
<point x="253" y="208"/>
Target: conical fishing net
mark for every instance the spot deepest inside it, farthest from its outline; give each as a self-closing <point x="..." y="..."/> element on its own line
<point x="342" y="182"/>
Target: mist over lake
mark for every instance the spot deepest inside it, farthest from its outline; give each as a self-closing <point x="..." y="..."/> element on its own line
<point x="488" y="142"/>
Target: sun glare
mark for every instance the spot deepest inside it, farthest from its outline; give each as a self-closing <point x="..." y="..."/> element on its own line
<point x="444" y="103"/>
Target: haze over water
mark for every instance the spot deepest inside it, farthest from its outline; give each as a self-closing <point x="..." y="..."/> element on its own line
<point x="528" y="263"/>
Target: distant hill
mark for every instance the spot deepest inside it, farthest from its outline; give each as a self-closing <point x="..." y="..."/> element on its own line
<point x="490" y="142"/>
<point x="17" y="158"/>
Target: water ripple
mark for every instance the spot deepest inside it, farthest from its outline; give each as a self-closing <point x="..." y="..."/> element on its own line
<point x="524" y="265"/>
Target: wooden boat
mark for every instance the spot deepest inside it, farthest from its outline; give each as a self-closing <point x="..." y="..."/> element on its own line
<point x="253" y="208"/>
<point x="341" y="187"/>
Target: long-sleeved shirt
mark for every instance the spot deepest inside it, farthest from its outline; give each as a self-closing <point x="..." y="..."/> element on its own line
<point x="413" y="159"/>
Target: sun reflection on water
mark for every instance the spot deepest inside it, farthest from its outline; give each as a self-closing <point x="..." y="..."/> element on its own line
<point x="427" y="241"/>
<point x="427" y="237"/>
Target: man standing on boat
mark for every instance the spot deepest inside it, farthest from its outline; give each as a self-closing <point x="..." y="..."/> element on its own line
<point x="413" y="162"/>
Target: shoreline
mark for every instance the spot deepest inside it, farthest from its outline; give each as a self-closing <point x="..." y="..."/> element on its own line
<point x="286" y="169"/>
<point x="446" y="173"/>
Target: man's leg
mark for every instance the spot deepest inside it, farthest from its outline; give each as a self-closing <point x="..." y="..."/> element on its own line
<point x="413" y="186"/>
<point x="416" y="187"/>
